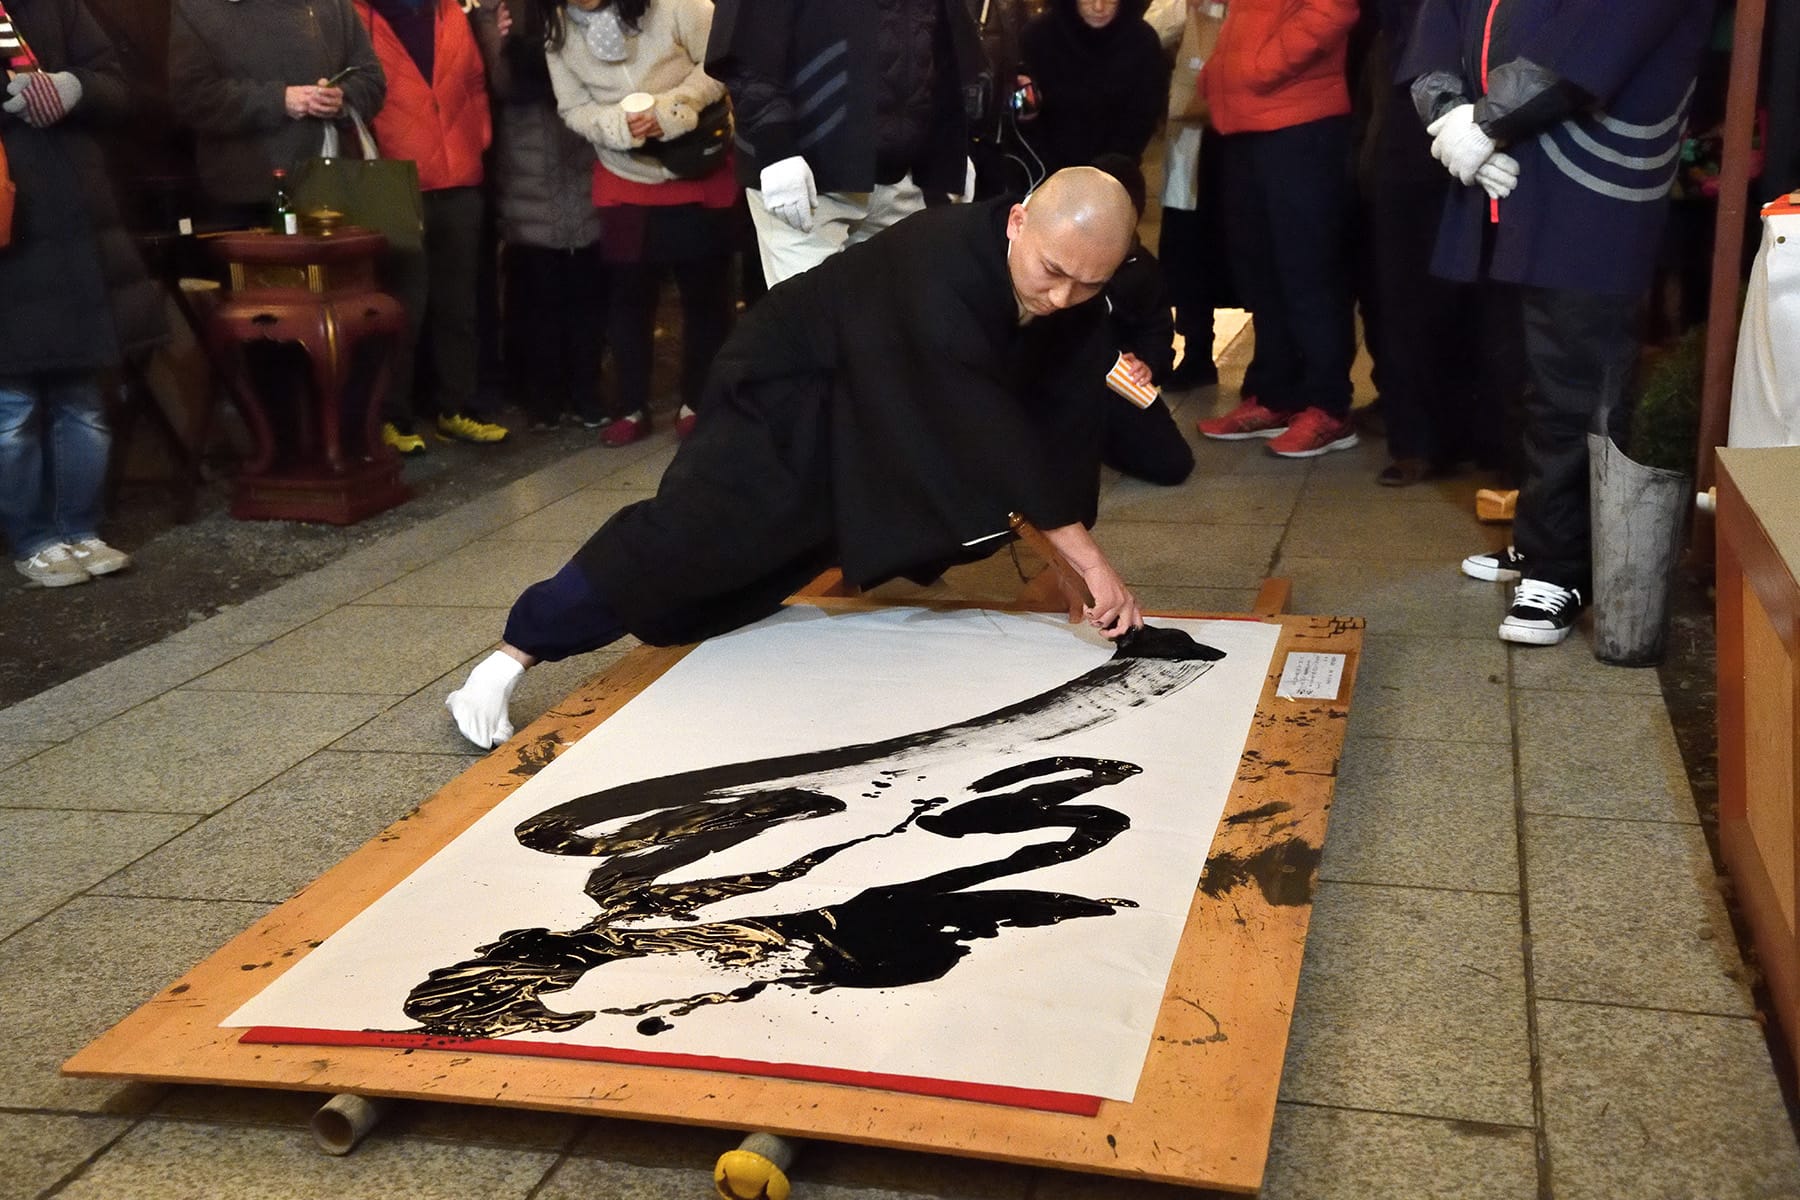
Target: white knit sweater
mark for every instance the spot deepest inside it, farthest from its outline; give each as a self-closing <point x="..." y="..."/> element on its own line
<point x="664" y="59"/>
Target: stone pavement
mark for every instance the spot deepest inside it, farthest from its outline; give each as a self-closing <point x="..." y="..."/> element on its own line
<point x="1520" y="983"/>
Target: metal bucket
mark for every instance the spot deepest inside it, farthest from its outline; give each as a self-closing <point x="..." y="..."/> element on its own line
<point x="1638" y="515"/>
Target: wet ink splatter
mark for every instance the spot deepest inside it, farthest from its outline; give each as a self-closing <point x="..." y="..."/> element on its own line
<point x="1284" y="871"/>
<point x="888" y="935"/>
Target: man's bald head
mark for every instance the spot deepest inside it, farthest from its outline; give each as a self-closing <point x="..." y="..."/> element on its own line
<point x="1068" y="238"/>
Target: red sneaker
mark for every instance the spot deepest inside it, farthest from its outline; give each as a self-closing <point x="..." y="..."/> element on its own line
<point x="685" y="422"/>
<point x="1312" y="433"/>
<point x="625" y="430"/>
<point x="1248" y="420"/>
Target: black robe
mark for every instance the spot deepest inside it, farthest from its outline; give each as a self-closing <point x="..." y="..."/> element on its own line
<point x="884" y="411"/>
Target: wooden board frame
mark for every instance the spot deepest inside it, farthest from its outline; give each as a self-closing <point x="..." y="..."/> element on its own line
<point x="1205" y="1105"/>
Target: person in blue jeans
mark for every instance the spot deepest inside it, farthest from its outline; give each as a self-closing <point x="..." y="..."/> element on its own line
<point x="73" y="295"/>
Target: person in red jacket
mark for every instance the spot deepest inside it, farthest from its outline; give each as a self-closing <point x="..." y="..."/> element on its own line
<point x="437" y="115"/>
<point x="1276" y="90"/>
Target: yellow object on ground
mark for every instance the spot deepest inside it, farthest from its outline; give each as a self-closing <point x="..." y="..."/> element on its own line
<point x="747" y="1175"/>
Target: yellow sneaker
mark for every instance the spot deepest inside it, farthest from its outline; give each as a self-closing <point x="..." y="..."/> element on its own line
<point x="468" y="429"/>
<point x="401" y="443"/>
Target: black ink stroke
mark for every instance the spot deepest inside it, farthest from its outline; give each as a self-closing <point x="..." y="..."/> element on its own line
<point x="888" y="935"/>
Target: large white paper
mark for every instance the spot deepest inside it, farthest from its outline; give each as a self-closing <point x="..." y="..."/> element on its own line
<point x="905" y="950"/>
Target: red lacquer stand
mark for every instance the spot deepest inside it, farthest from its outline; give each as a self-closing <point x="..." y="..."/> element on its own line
<point x="319" y="462"/>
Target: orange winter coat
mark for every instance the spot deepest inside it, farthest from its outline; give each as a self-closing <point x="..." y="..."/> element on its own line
<point x="1278" y="63"/>
<point x="442" y="124"/>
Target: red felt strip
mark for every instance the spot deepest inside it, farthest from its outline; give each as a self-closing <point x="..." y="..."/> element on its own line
<point x="1011" y="1097"/>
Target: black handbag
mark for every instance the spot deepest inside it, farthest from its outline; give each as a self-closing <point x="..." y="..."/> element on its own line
<point x="699" y="152"/>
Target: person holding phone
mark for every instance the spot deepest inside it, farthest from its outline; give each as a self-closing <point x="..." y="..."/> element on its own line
<point x="257" y="83"/>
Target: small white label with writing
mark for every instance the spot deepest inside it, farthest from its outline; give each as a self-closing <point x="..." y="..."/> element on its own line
<point x="1311" y="677"/>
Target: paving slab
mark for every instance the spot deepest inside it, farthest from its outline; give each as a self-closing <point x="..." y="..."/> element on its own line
<point x="1646" y="1105"/>
<point x="1570" y="666"/>
<point x="185" y="751"/>
<point x="18" y="751"/>
<point x="1424" y="814"/>
<point x="486" y="574"/>
<point x="1588" y="755"/>
<point x="371" y="648"/>
<point x="105" y="692"/>
<point x="1213" y="500"/>
<point x="69" y="977"/>
<point x="1228" y="556"/>
<point x="1412" y="1001"/>
<point x="1343" y="1154"/>
<point x="574" y="518"/>
<point x="41" y="1149"/>
<point x="1389" y="530"/>
<point x="1417" y="599"/>
<point x="281" y="837"/>
<point x="173" y="1160"/>
<point x="421" y="724"/>
<point x="1628" y="912"/>
<point x="1431" y="689"/>
<point x="54" y="855"/>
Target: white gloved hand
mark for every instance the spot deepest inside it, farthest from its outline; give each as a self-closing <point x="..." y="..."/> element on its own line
<point x="42" y="98"/>
<point x="968" y="194"/>
<point x="480" y="705"/>
<point x="1460" y="144"/>
<point x="788" y="192"/>
<point x="1498" y="176"/>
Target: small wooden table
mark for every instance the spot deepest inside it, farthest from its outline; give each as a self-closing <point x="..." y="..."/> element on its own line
<point x="319" y="291"/>
<point x="1759" y="703"/>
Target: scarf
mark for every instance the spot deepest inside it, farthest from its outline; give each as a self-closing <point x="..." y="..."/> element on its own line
<point x="603" y="32"/>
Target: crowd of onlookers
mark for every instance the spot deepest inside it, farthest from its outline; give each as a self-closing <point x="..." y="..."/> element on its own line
<point x="1484" y="182"/>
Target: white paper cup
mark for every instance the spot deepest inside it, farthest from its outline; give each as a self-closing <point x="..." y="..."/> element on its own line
<point x="637" y="102"/>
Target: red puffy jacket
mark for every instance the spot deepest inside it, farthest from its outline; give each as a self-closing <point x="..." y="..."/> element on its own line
<point x="1278" y="63"/>
<point x="443" y="125"/>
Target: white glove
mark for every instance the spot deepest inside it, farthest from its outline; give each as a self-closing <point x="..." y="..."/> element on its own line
<point x="788" y="192"/>
<point x="968" y="196"/>
<point x="1460" y="144"/>
<point x="42" y="98"/>
<point x="1498" y="176"/>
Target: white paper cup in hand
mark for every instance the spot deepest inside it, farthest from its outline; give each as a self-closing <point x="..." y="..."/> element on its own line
<point x="637" y="103"/>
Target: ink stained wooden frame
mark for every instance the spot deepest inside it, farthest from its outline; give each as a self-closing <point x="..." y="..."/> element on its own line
<point x="1205" y="1105"/>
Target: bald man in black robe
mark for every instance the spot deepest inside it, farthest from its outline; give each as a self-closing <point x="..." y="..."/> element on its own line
<point x="885" y="412"/>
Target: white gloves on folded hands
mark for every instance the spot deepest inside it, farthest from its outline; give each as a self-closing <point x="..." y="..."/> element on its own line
<point x="1470" y="155"/>
<point x="1460" y="144"/>
<point x="788" y="192"/>
<point x="1498" y="176"/>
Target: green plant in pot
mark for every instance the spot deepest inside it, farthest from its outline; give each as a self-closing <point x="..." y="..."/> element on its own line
<point x="1640" y="497"/>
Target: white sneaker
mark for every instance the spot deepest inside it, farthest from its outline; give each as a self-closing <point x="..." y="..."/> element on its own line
<point x="53" y="566"/>
<point x="98" y="558"/>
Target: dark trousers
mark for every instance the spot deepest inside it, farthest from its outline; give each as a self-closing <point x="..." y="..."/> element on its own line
<point x="705" y="288"/>
<point x="555" y="324"/>
<point x="439" y="366"/>
<point x="1451" y="363"/>
<point x="1581" y="349"/>
<point x="1144" y="443"/>
<point x="561" y="616"/>
<point x="1288" y="206"/>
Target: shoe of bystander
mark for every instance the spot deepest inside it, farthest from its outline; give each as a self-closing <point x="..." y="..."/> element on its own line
<point x="461" y="428"/>
<point x="1313" y="432"/>
<point x="1541" y="614"/>
<point x="98" y="558"/>
<point x="1248" y="420"/>
<point x="625" y="430"/>
<point x="53" y="566"/>
<point x="1497" y="566"/>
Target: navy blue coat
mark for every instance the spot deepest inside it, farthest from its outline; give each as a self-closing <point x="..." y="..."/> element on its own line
<point x="1593" y="190"/>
